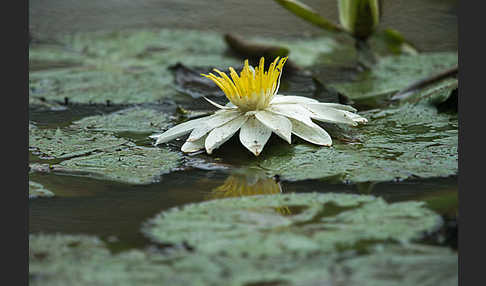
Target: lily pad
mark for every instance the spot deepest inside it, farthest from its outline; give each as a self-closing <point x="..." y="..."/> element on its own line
<point x="63" y="144"/>
<point x="133" y="66"/>
<point x="318" y="223"/>
<point x="57" y="259"/>
<point x="124" y="67"/>
<point x="129" y="164"/>
<point x="37" y="190"/>
<point x="136" y="119"/>
<point x="81" y="260"/>
<point x="392" y="74"/>
<point x="397" y="143"/>
<point x="394" y="265"/>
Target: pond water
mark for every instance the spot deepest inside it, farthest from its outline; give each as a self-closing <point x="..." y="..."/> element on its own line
<point x="86" y="85"/>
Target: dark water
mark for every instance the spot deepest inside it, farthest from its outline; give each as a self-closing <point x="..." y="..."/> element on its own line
<point x="116" y="211"/>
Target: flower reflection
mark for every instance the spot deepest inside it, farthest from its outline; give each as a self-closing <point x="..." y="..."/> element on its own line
<point x="248" y="184"/>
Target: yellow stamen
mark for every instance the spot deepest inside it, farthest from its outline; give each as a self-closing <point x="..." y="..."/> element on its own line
<point x="253" y="89"/>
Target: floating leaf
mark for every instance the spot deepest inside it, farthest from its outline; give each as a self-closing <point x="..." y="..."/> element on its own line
<point x="392" y="74"/>
<point x="253" y="226"/>
<point x="62" y="144"/>
<point x="136" y="119"/>
<point x="399" y="143"/>
<point x="401" y="266"/>
<point x="132" y="165"/>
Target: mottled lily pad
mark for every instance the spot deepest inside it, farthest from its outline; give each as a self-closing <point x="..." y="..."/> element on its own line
<point x="130" y="164"/>
<point x="80" y="260"/>
<point x="124" y="67"/>
<point x="317" y="223"/>
<point x="37" y="190"/>
<point x="392" y="74"/>
<point x="136" y="119"/>
<point x="133" y="66"/>
<point x="63" y="144"/>
<point x="394" y="265"/>
<point x="397" y="143"/>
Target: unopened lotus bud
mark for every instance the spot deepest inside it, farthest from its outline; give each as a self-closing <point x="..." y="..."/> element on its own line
<point x="359" y="17"/>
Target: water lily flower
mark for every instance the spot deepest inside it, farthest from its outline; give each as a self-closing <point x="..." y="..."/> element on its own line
<point x="257" y="111"/>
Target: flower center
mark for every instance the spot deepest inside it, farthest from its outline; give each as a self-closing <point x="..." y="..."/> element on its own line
<point x="254" y="88"/>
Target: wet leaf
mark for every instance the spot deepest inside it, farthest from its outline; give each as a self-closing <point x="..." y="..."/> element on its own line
<point x="80" y="260"/>
<point x="189" y="80"/>
<point x="391" y="41"/>
<point x="131" y="165"/>
<point x="399" y="143"/>
<point x="123" y="67"/>
<point x="136" y="119"/>
<point x="401" y="265"/>
<point x="392" y="74"/>
<point x="62" y="144"/>
<point x="253" y="227"/>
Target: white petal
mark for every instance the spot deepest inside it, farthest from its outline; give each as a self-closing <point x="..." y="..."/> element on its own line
<point x="314" y="134"/>
<point x="279" y="124"/>
<point x="213" y="121"/>
<point x="333" y="105"/>
<point x="178" y="130"/>
<point x="218" y="105"/>
<point x="284" y="99"/>
<point x="332" y="115"/>
<point x="357" y="118"/>
<point x="293" y="111"/>
<point x="254" y="135"/>
<point x="193" y="146"/>
<point x="221" y="134"/>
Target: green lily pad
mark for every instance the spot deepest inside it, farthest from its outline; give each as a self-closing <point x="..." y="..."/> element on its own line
<point x="37" y="190"/>
<point x="57" y="259"/>
<point x="398" y="143"/>
<point x="123" y="67"/>
<point x="395" y="265"/>
<point x="63" y="144"/>
<point x="316" y="223"/>
<point x="129" y="164"/>
<point x="394" y="73"/>
<point x="81" y="260"/>
<point x="136" y="119"/>
<point x="133" y="66"/>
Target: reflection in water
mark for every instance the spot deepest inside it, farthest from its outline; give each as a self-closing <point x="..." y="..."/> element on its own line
<point x="248" y="183"/>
